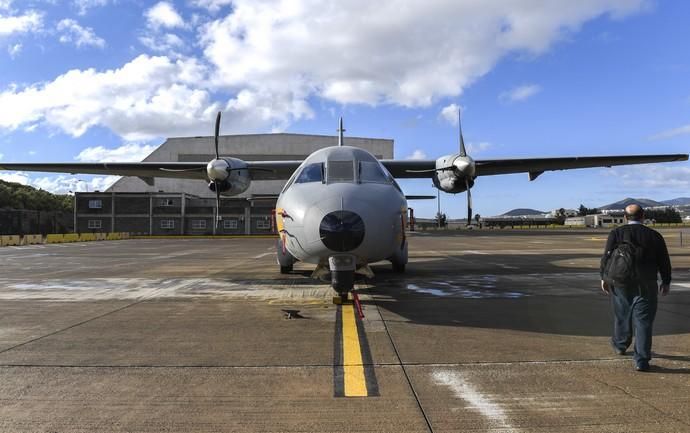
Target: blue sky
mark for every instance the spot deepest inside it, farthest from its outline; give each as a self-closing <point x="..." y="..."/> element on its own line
<point x="85" y="80"/>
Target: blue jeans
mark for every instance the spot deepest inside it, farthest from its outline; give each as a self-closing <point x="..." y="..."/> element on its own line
<point x="634" y="310"/>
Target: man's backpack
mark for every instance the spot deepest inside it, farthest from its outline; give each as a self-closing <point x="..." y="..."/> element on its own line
<point x="621" y="263"/>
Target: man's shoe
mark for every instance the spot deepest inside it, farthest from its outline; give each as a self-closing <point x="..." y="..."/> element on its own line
<point x="642" y="366"/>
<point x="619" y="352"/>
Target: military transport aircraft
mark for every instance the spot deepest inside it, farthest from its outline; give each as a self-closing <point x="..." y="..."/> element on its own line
<point x="341" y="208"/>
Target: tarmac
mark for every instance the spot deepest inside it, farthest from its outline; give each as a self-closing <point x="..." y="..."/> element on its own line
<point x="487" y="331"/>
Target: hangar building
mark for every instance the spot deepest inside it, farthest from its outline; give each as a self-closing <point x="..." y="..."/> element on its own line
<point x="186" y="207"/>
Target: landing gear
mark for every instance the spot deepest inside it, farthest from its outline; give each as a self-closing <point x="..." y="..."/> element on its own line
<point x="285" y="259"/>
<point x="342" y="269"/>
<point x="399" y="259"/>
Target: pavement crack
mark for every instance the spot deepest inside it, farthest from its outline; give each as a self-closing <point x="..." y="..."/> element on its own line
<point x="33" y="340"/>
<point x="635" y="397"/>
<point x="402" y="366"/>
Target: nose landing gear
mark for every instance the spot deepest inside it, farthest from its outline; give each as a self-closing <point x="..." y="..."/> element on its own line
<point x="342" y="267"/>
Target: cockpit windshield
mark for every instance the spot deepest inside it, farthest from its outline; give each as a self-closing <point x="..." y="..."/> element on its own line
<point x="370" y="171"/>
<point x="311" y="173"/>
<point x="341" y="171"/>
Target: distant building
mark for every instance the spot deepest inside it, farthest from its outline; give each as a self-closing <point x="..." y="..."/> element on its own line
<point x="596" y="220"/>
<point x="180" y="206"/>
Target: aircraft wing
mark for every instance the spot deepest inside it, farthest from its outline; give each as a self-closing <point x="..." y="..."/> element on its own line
<point x="259" y="170"/>
<point x="533" y="166"/>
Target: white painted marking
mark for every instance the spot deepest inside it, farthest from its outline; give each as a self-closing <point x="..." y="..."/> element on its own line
<point x="262" y="255"/>
<point x="474" y="398"/>
<point x="482" y="253"/>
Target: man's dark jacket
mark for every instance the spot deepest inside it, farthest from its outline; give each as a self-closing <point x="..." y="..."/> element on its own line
<point x="654" y="257"/>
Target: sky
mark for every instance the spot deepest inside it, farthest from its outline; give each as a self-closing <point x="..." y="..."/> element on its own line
<point x="109" y="80"/>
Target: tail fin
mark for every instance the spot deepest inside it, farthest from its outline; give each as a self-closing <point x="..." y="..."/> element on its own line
<point x="463" y="152"/>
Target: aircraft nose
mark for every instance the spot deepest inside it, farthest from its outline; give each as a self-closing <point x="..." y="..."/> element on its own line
<point x="341" y="230"/>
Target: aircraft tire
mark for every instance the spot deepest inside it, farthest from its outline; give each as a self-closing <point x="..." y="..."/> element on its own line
<point x="285" y="259"/>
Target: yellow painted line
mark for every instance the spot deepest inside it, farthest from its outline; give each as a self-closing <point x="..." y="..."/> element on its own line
<point x="353" y="367"/>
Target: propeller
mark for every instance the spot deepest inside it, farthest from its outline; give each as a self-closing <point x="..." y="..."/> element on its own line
<point x="463" y="153"/>
<point x="469" y="202"/>
<point x="216" y="184"/>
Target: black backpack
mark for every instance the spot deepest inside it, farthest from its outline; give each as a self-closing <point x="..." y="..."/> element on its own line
<point x="621" y="262"/>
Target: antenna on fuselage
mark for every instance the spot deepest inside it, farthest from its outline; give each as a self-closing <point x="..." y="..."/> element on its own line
<point x="340" y="132"/>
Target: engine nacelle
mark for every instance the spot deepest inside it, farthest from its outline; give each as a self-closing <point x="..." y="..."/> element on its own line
<point x="454" y="173"/>
<point x="229" y="175"/>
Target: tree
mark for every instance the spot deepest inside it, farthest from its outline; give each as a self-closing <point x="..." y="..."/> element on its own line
<point x="18" y="196"/>
<point x="582" y="210"/>
<point x="441" y="219"/>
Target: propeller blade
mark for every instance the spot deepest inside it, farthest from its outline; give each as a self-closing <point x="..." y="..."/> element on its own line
<point x="469" y="202"/>
<point x="218" y="217"/>
<point x="463" y="152"/>
<point x="217" y="132"/>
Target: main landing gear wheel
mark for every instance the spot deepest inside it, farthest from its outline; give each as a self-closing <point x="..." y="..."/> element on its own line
<point x="399" y="259"/>
<point x="286" y="269"/>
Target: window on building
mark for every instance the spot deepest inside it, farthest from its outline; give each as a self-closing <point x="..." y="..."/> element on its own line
<point x="198" y="224"/>
<point x="95" y="204"/>
<point x="95" y="224"/>
<point x="167" y="224"/>
<point x="263" y="224"/>
<point x="230" y="224"/>
<point x="166" y="202"/>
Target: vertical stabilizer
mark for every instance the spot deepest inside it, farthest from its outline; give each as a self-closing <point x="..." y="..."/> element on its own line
<point x="463" y="152"/>
<point x="340" y="132"/>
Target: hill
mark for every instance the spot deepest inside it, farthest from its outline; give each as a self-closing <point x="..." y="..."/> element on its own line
<point x="18" y="196"/>
<point x="523" y="212"/>
<point x="680" y="201"/>
<point x="644" y="202"/>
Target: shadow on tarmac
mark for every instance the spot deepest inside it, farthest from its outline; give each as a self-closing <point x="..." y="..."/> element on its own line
<point x="539" y="295"/>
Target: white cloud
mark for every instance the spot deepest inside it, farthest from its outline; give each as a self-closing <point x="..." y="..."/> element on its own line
<point x="163" y="14"/>
<point x="520" y="93"/>
<point x="475" y="148"/>
<point x="72" y="32"/>
<point x="14" y="50"/>
<point x="15" y="24"/>
<point x="167" y="42"/>
<point x="83" y="6"/>
<point x="63" y="184"/>
<point x="130" y="152"/>
<point x="450" y="114"/>
<point x="212" y="5"/>
<point x="5" y="4"/>
<point x="279" y="45"/>
<point x="277" y="56"/>
<point x="670" y="133"/>
<point x="148" y="97"/>
<point x="14" y="176"/>
<point x="664" y="177"/>
<point x="417" y="155"/>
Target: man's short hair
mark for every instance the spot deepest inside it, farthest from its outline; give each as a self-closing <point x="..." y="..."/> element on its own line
<point x="635" y="216"/>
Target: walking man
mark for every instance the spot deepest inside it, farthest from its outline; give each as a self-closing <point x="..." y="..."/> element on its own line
<point x="634" y="300"/>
